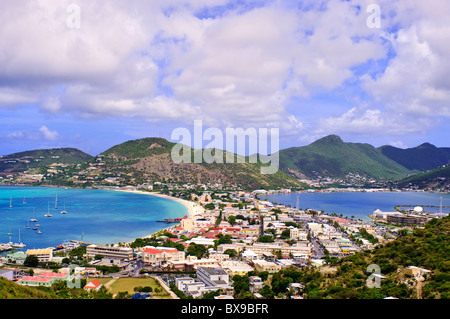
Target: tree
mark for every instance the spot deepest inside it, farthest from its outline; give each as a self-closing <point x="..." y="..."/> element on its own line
<point x="31" y="261"/>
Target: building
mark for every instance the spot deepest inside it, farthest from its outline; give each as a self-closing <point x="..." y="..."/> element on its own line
<point x="216" y="277"/>
<point x="124" y="253"/>
<point x="299" y="248"/>
<point x="160" y="257"/>
<point x="407" y="219"/>
<point x="236" y="267"/>
<point x="264" y="265"/>
<point x="93" y="285"/>
<point x="43" y="255"/>
<point x="256" y="284"/>
<point x="7" y="273"/>
<point x="416" y="272"/>
<point x="187" y="224"/>
<point x="35" y="281"/>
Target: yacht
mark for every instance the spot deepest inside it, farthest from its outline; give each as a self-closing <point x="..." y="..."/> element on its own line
<point x="34" y="219"/>
<point x="64" y="210"/>
<point x="19" y="244"/>
<point x="48" y="212"/>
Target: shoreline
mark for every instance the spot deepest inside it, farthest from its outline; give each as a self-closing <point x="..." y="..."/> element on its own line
<point x="192" y="208"/>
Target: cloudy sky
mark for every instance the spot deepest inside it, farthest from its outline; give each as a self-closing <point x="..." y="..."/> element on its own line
<point x="92" y="74"/>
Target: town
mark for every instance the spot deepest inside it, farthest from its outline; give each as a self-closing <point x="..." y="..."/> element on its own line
<point x="229" y="236"/>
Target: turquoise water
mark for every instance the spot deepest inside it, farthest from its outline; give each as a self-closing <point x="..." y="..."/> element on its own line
<point x="100" y="216"/>
<point x="360" y="204"/>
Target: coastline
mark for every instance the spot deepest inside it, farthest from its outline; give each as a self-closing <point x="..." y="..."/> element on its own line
<point x="193" y="208"/>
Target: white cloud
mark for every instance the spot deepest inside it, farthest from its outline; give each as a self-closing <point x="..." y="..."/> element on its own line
<point x="159" y="61"/>
<point x="42" y="134"/>
<point x="49" y="134"/>
<point x="416" y="81"/>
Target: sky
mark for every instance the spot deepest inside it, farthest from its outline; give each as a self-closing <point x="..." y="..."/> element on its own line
<point x="93" y="74"/>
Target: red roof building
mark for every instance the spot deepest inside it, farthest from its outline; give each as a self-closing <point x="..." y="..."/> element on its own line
<point x="94" y="284"/>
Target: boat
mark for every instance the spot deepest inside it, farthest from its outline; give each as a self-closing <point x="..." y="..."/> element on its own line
<point x="64" y="210"/>
<point x="28" y="225"/>
<point x="19" y="244"/>
<point x="10" y="201"/>
<point x="34" y="219"/>
<point x="4" y="247"/>
<point x="39" y="231"/>
<point x="24" y="201"/>
<point x="56" y="202"/>
<point x="48" y="211"/>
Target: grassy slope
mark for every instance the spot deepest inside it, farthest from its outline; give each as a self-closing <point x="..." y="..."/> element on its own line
<point x="331" y="156"/>
<point x="132" y="152"/>
<point x="423" y="157"/>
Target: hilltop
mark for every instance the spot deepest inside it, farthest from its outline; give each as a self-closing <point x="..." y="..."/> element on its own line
<point x="330" y="156"/>
<point x="151" y="158"/>
<point x="438" y="178"/>
<point x="20" y="162"/>
<point x="423" y="157"/>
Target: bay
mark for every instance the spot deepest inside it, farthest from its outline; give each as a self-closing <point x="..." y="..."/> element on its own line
<point x="360" y="204"/>
<point x="95" y="216"/>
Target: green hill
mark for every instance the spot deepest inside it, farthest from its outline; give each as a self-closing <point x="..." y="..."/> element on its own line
<point x="435" y="178"/>
<point x="19" y="162"/>
<point x="151" y="158"/>
<point x="12" y="290"/>
<point x="331" y="157"/>
<point x="423" y="157"/>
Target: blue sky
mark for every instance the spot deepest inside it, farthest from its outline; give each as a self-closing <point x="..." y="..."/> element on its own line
<point x="144" y="68"/>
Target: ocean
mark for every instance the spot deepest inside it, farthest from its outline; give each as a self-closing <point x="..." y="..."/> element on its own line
<point x="360" y="204"/>
<point x="93" y="216"/>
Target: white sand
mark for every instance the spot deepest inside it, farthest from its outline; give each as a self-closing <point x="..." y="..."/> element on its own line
<point x="193" y="208"/>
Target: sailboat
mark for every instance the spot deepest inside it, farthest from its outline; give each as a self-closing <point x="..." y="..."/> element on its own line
<point x="39" y="231"/>
<point x="48" y="211"/>
<point x="19" y="244"/>
<point x="34" y="213"/>
<point x="24" y="201"/>
<point x="56" y="201"/>
<point x="10" y="201"/>
<point x="64" y="210"/>
<point x="28" y="225"/>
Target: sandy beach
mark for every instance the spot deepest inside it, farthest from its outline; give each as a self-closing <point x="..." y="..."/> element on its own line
<point x="193" y="208"/>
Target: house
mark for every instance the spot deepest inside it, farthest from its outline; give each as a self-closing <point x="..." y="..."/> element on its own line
<point x="35" y="281"/>
<point x="93" y="285"/>
<point x="416" y="272"/>
<point x="256" y="283"/>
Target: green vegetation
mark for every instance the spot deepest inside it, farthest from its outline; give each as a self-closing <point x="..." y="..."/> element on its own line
<point x="437" y="178"/>
<point x="423" y="157"/>
<point x="330" y="156"/>
<point x="19" y="162"/>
